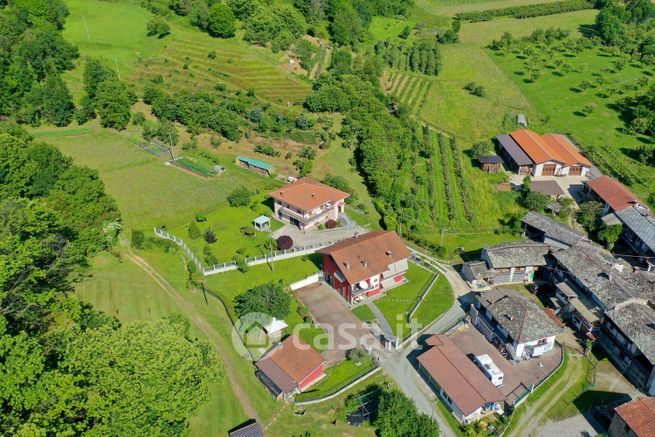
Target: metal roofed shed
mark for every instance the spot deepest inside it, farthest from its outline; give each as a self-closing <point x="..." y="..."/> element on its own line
<point x="255" y="165"/>
<point x="514" y="154"/>
<point x="262" y="223"/>
<point x="550" y="231"/>
<point x="521" y="120"/>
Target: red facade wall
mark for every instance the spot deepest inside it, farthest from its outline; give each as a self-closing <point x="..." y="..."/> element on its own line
<point x="309" y="380"/>
<point x="329" y="268"/>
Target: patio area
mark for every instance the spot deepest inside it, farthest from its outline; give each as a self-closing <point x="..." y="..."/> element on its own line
<point x="518" y="377"/>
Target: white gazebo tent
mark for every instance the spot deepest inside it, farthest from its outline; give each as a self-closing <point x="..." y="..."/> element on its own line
<point x="262" y="223"/>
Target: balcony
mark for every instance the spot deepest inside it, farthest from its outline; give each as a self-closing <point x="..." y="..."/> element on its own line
<point x="306" y="218"/>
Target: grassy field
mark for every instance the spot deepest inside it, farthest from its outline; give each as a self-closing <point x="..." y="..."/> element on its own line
<point x="117" y="33"/>
<point x="558" y="95"/>
<point x="148" y="192"/>
<point x="450" y="107"/>
<point x="121" y="289"/>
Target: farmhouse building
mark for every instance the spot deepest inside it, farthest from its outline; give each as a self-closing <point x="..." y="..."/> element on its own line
<point x="628" y="336"/>
<point x="490" y="164"/>
<point x="544" y="229"/>
<point x="547" y="155"/>
<point x="611" y="193"/>
<point x="506" y="263"/>
<point x="307" y="203"/>
<point x="516" y="322"/>
<point x="462" y="386"/>
<point x="363" y="266"/>
<point x="255" y="165"/>
<point x="252" y="429"/>
<point x="634" y="419"/>
<point x="638" y="230"/>
<point x="290" y="367"/>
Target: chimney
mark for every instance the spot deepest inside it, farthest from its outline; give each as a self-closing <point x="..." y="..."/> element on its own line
<point x="365" y="263"/>
<point x="618" y="267"/>
<point x="281" y="192"/>
<point x="313" y="195"/>
<point x="389" y="253"/>
<point x="347" y="264"/>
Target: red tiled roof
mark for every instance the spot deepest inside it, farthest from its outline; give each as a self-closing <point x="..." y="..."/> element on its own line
<point x="456" y="374"/>
<point x="367" y="255"/>
<point x="560" y="145"/>
<point x="639" y="415"/>
<point x="550" y="147"/>
<point x="613" y="193"/>
<point x="296" y="358"/>
<point x="308" y="194"/>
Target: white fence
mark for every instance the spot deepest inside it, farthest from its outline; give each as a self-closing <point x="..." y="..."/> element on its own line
<point x="253" y="261"/>
<point x="311" y="279"/>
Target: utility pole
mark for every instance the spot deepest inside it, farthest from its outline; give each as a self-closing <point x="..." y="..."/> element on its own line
<point x="170" y="146"/>
<point x="441" y="242"/>
<point x="86" y="28"/>
<point x="270" y="247"/>
<point x="118" y="72"/>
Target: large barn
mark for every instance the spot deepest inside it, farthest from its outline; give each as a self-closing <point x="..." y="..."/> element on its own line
<point x="528" y="153"/>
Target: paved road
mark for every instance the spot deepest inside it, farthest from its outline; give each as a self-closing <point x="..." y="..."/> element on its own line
<point x="400" y="365"/>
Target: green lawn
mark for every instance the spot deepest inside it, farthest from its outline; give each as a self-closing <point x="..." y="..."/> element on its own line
<point x="227" y="222"/>
<point x="364" y="313"/>
<point x="230" y="284"/>
<point x="438" y="301"/>
<point x="399" y="301"/>
<point x="337" y="377"/>
<point x="558" y="96"/>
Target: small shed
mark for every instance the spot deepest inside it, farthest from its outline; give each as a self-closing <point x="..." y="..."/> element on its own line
<point x="521" y="120"/>
<point x="549" y="188"/>
<point x="490" y="164"/>
<point x="255" y="165"/>
<point x="251" y="429"/>
<point x="275" y="327"/>
<point x="262" y="223"/>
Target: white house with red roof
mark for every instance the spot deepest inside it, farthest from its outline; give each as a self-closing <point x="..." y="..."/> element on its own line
<point x="307" y="203"/>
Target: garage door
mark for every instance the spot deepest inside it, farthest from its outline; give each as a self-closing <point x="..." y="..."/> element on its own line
<point x="575" y="171"/>
<point x="548" y="170"/>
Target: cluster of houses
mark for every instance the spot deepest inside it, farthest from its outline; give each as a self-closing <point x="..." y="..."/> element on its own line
<point x="602" y="296"/>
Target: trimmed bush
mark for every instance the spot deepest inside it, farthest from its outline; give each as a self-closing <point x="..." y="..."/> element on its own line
<point x="209" y="236"/>
<point x="201" y="218"/>
<point x="138" y="238"/>
<point x="284" y="242"/>
<point x="193" y="230"/>
<point x="331" y="224"/>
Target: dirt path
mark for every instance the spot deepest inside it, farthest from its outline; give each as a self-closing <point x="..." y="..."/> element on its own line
<point x="204" y="326"/>
<point x="531" y="419"/>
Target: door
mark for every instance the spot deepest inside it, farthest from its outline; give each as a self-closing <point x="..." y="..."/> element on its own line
<point x="548" y="170"/>
<point x="575" y="171"/>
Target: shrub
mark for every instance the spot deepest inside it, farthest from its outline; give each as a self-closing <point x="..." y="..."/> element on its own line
<point x="215" y="142"/>
<point x="212" y="54"/>
<point x="240" y="196"/>
<point x="193" y="231"/>
<point x="266" y="150"/>
<point x="159" y="27"/>
<point x="138" y="118"/>
<point x="442" y="252"/>
<point x="138" y="238"/>
<point x="331" y="224"/>
<point x="209" y="236"/>
<point x="356" y="354"/>
<point x="210" y="259"/>
<point x="241" y="263"/>
<point x="201" y="218"/>
<point x="284" y="242"/>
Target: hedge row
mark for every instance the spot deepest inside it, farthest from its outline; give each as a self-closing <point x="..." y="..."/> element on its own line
<point x="527" y="11"/>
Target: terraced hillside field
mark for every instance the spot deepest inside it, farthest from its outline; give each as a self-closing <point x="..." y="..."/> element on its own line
<point x="410" y="89"/>
<point x="187" y="58"/>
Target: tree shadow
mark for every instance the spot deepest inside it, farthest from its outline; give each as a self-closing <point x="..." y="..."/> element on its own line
<point x="587" y="30"/>
<point x="575" y="89"/>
